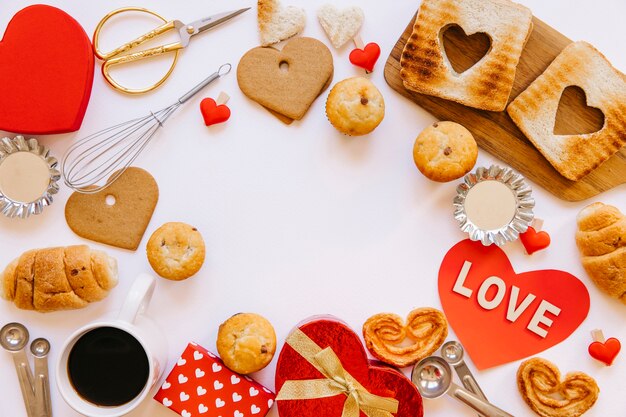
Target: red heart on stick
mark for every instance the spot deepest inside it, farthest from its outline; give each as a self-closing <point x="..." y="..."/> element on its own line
<point x="46" y="72"/>
<point x="605" y="352"/>
<point x="365" y="58"/>
<point x="212" y="113"/>
<point x="534" y="241"/>
<point x="501" y="316"/>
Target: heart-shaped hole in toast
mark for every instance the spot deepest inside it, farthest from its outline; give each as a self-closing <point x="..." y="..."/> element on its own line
<point x="463" y="51"/>
<point x="574" y="116"/>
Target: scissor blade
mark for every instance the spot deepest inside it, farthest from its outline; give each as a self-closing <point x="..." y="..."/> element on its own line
<point x="212" y="21"/>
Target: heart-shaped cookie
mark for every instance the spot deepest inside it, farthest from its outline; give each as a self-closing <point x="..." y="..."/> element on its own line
<point x="119" y="214"/>
<point x="340" y="25"/>
<point x="534" y="241"/>
<point x="365" y="58"/>
<point x="277" y="23"/>
<point x="539" y="382"/>
<point x="46" y="72"/>
<point x="385" y="334"/>
<point x="213" y="113"/>
<point x="288" y="81"/>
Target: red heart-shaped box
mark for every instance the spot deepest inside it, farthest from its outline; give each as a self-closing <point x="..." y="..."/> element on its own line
<point x="500" y="333"/>
<point x="46" y="72"/>
<point x="379" y="380"/>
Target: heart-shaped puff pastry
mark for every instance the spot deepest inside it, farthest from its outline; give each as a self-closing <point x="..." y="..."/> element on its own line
<point x="307" y="67"/>
<point x="539" y="382"/>
<point x="384" y="334"/>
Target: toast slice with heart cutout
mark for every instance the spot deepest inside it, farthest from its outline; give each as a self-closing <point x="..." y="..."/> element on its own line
<point x="487" y="85"/>
<point x="534" y="110"/>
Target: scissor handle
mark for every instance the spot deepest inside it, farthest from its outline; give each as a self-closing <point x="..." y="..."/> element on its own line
<point x="110" y="61"/>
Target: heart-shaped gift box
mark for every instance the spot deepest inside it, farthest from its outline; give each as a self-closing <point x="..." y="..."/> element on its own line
<point x="323" y="370"/>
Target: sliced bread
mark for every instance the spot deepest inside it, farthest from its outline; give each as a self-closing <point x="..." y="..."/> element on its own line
<point x="534" y="110"/>
<point x="487" y="85"/>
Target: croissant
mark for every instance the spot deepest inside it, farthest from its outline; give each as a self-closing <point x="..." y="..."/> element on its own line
<point x="601" y="239"/>
<point x="58" y="278"/>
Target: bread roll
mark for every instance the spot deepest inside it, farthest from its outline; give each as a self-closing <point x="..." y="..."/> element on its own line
<point x="601" y="239"/>
<point x="58" y="278"/>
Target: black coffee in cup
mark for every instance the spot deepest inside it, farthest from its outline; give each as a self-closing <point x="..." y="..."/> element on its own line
<point x="108" y="366"/>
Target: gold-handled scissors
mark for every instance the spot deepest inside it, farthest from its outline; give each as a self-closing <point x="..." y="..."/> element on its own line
<point x="185" y="32"/>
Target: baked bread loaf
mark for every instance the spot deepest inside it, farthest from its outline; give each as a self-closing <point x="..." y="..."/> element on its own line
<point x="445" y="151"/>
<point x="58" y="278"/>
<point x="534" y="110"/>
<point x="487" y="85"/>
<point x="539" y="383"/>
<point x="355" y="107"/>
<point x="246" y="342"/>
<point x="601" y="240"/>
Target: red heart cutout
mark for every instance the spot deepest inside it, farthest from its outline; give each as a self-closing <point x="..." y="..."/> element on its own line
<point x="46" y="72"/>
<point x="534" y="241"/>
<point x="496" y="333"/>
<point x="605" y="352"/>
<point x="378" y="380"/>
<point x="365" y="58"/>
<point x="212" y="113"/>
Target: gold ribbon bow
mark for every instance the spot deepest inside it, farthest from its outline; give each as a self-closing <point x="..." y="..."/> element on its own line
<point x="337" y="381"/>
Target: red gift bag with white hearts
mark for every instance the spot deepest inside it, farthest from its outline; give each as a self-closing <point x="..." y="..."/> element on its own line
<point x="200" y="385"/>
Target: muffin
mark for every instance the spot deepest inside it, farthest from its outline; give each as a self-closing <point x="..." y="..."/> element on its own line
<point x="355" y="107"/>
<point x="176" y="251"/>
<point x="445" y="151"/>
<point x="246" y="343"/>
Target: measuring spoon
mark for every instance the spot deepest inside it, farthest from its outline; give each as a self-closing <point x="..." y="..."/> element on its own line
<point x="433" y="378"/>
<point x="453" y="353"/>
<point x="13" y="338"/>
<point x="40" y="348"/>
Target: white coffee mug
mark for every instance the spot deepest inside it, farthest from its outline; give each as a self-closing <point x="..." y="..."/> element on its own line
<point x="132" y="321"/>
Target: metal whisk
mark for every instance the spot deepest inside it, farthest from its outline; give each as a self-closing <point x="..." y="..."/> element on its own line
<point x="105" y="155"/>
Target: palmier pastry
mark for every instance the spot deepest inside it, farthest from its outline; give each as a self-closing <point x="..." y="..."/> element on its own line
<point x="385" y="334"/>
<point x="539" y="382"/>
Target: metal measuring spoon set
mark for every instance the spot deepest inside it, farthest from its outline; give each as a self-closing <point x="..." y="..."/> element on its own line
<point x="433" y="378"/>
<point x="35" y="387"/>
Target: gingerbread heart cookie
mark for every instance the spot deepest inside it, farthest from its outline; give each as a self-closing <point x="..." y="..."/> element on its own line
<point x="286" y="82"/>
<point x="539" y="382"/>
<point x="385" y="335"/>
<point x="119" y="214"/>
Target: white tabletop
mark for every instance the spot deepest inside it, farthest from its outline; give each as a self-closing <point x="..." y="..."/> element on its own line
<point x="299" y="220"/>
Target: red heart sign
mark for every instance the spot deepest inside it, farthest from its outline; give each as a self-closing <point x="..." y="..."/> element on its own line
<point x="501" y="316"/>
<point x="212" y="113"/>
<point x="534" y="241"/>
<point x="46" y="72"/>
<point x="365" y="58"/>
<point x="605" y="352"/>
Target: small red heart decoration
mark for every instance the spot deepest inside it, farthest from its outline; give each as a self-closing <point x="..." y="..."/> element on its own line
<point x="534" y="241"/>
<point x="365" y="58"/>
<point x="212" y="113"/>
<point x="378" y="380"/>
<point x="605" y="352"/>
<point x="46" y="72"/>
<point x="501" y="316"/>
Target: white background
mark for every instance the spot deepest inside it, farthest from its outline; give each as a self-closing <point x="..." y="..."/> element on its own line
<point x="300" y="220"/>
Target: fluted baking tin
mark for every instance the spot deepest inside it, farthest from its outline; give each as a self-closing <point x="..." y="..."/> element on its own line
<point x="28" y="177"/>
<point x="494" y="205"/>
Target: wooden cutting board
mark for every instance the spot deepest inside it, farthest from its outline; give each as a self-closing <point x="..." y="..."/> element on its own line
<point x="496" y="132"/>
